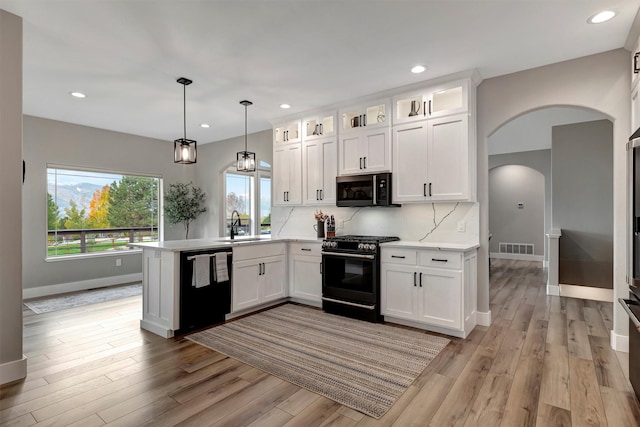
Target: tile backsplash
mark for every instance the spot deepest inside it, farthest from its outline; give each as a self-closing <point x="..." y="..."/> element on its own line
<point x="426" y="222"/>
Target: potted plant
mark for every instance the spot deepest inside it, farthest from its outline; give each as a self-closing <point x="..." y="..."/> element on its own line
<point x="183" y="203"/>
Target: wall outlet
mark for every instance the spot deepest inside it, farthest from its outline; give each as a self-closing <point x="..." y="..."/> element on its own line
<point x="118" y="262"/>
<point x="462" y="226"/>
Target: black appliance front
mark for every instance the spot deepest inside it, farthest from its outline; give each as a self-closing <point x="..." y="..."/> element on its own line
<point x="350" y="286"/>
<point x="207" y="305"/>
<point x="364" y="190"/>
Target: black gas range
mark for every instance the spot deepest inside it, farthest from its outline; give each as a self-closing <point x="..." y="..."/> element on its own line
<point x="351" y="276"/>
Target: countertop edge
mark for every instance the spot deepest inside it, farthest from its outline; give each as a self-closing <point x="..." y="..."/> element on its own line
<point x="432" y="245"/>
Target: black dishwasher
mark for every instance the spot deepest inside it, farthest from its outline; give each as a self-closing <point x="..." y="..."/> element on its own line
<point x="203" y="305"/>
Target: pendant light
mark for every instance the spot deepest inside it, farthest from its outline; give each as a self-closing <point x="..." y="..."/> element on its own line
<point x="246" y="159"/>
<point x="184" y="150"/>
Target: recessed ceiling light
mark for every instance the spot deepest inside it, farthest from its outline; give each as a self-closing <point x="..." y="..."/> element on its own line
<point x="600" y="17"/>
<point x="205" y="125"/>
<point x="285" y="106"/>
<point x="418" y="69"/>
<point x="78" y="94"/>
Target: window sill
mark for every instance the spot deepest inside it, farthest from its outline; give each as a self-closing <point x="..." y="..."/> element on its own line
<point x="126" y="252"/>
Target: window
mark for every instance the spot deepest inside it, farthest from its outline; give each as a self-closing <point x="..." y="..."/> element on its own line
<point x="99" y="212"/>
<point x="250" y="195"/>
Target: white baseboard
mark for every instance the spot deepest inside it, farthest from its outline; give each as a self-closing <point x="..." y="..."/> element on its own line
<point x="483" y="319"/>
<point x="13" y="371"/>
<point x="545" y="264"/>
<point x="43" y="291"/>
<point x="553" y="289"/>
<point x="619" y="342"/>
<point x="522" y="257"/>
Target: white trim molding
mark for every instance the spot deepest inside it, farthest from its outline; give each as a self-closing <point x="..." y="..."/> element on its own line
<point x="619" y="342"/>
<point x="483" y="319"/>
<point x="522" y="257"/>
<point x="82" y="285"/>
<point x="13" y="371"/>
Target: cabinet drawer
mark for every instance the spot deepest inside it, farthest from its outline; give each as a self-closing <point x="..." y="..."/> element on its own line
<point x="440" y="259"/>
<point x="298" y="248"/>
<point x="258" y="250"/>
<point x="399" y="256"/>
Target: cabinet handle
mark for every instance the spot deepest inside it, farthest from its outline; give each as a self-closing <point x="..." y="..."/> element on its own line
<point x="420" y="279"/>
<point x="360" y="162"/>
<point x="429" y="107"/>
<point x="321" y="195"/>
<point x="364" y="120"/>
<point x="424" y="108"/>
<point x="365" y="162"/>
<point x="317" y="194"/>
<point x="439" y="260"/>
<point x="429" y="189"/>
<point x="259" y="269"/>
<point x="264" y="268"/>
<point x="424" y="189"/>
<point x="321" y="129"/>
<point x="414" y="278"/>
<point x="398" y="256"/>
<point x="636" y="69"/>
<point x="305" y="249"/>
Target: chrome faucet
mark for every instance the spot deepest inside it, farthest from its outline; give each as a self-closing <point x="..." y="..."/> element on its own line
<point x="234" y="231"/>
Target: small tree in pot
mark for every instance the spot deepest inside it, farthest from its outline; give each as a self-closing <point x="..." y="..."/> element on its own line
<point x="183" y="203"/>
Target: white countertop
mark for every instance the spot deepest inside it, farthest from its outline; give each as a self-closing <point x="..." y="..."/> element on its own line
<point x="432" y="245"/>
<point x="218" y="243"/>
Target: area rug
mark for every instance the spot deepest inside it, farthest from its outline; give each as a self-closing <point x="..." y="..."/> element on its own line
<point x="93" y="296"/>
<point x="365" y="366"/>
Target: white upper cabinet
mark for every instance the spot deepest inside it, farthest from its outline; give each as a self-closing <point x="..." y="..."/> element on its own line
<point x="368" y="115"/>
<point x="320" y="167"/>
<point x="319" y="126"/>
<point x="431" y="160"/>
<point x="289" y="132"/>
<point x="366" y="151"/>
<point x="287" y="174"/>
<point x="364" y="140"/>
<point x="435" y="101"/>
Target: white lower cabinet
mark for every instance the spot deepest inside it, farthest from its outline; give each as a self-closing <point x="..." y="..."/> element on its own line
<point x="259" y="275"/>
<point x="305" y="282"/>
<point x="429" y="289"/>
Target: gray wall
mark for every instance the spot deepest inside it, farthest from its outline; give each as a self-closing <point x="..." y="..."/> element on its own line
<point x="53" y="142"/>
<point x="599" y="82"/>
<point x="510" y="185"/>
<point x="214" y="157"/>
<point x="582" y="168"/>
<point x="540" y="160"/>
<point x="12" y="365"/>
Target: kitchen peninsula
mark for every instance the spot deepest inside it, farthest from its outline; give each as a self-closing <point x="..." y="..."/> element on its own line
<point x="172" y="301"/>
<point x="264" y="271"/>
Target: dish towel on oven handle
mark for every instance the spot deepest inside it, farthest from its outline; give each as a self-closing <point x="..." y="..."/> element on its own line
<point x="220" y="271"/>
<point x="201" y="276"/>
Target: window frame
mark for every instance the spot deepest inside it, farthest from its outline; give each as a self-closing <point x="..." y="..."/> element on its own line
<point x="100" y="254"/>
<point x="263" y="170"/>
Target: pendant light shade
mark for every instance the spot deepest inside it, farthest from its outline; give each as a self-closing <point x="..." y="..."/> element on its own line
<point x="184" y="150"/>
<point x="246" y="159"/>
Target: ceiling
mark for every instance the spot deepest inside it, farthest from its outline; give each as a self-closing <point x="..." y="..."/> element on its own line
<point x="126" y="55"/>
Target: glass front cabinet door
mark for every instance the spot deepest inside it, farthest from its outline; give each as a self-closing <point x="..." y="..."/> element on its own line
<point x="321" y="125"/>
<point x="435" y="101"/>
<point x="369" y="115"/>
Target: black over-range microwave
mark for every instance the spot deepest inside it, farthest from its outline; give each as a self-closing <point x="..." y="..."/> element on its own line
<point x="364" y="190"/>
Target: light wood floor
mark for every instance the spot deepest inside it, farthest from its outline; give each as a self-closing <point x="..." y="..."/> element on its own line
<point x="545" y="361"/>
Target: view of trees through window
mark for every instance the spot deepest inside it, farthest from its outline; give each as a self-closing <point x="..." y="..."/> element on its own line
<point x="250" y="195"/>
<point x="98" y="212"/>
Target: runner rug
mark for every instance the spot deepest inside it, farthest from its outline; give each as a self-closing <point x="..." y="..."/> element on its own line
<point x="365" y="366"/>
<point x="94" y="296"/>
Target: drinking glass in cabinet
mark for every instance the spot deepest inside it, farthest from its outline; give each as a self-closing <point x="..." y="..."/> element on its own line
<point x="376" y="112"/>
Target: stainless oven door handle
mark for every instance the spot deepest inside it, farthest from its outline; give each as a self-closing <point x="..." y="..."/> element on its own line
<point x="625" y="304"/>
<point x="349" y="255"/>
<point x="368" y="307"/>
